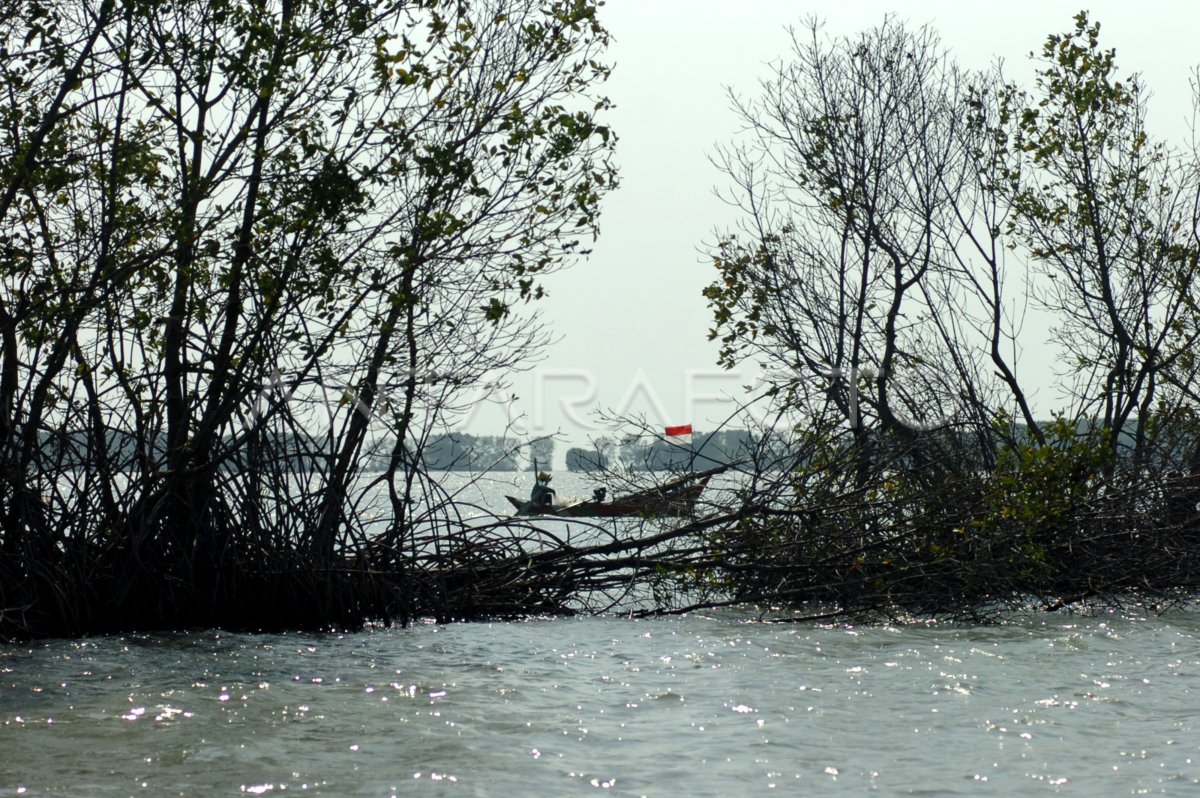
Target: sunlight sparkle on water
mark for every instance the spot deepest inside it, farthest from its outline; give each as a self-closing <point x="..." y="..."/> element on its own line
<point x="783" y="708"/>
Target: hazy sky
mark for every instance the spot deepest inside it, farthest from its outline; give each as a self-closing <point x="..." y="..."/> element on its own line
<point x="631" y="320"/>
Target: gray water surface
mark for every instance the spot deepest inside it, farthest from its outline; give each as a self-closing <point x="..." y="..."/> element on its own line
<point x="698" y="705"/>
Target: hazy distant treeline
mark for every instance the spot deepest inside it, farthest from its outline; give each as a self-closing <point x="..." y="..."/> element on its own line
<point x="652" y="453"/>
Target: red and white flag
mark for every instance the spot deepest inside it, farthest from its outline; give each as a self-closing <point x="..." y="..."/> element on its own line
<point x="679" y="435"/>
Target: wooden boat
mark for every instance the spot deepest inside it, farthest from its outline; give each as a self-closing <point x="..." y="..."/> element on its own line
<point x="674" y="498"/>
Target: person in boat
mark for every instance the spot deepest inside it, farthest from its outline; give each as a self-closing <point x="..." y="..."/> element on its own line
<point x="542" y="494"/>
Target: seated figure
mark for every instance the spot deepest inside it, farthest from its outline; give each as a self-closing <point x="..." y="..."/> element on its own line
<point x="542" y="494"/>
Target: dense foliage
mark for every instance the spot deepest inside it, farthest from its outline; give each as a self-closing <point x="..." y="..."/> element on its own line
<point x="239" y="242"/>
<point x="921" y="245"/>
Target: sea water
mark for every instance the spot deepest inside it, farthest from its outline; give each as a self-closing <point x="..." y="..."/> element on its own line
<point x="713" y="704"/>
<point x="709" y="704"/>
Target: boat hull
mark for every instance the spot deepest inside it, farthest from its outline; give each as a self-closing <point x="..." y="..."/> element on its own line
<point x="677" y="498"/>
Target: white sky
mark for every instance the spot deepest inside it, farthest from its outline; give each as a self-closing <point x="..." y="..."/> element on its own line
<point x="631" y="321"/>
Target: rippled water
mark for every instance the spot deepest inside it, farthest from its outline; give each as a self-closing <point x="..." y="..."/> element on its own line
<point x="700" y="705"/>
